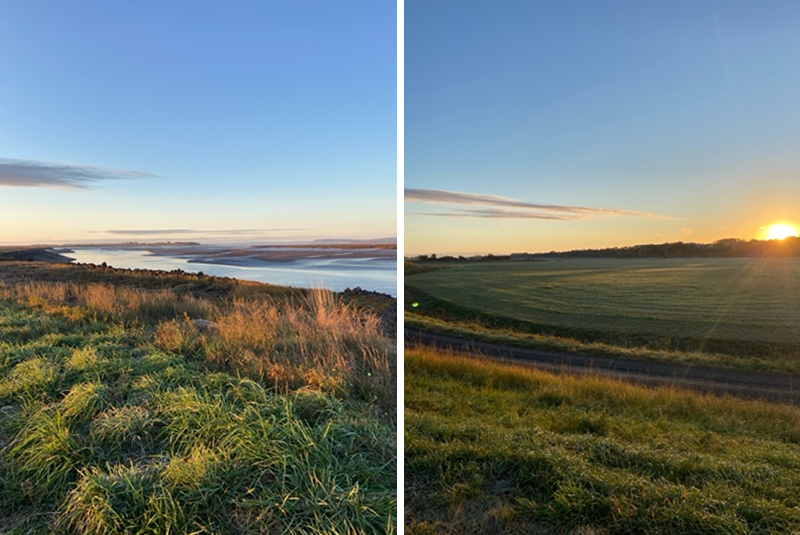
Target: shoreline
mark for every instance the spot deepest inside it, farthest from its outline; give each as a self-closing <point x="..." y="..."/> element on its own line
<point x="214" y="254"/>
<point x="384" y="305"/>
<point x="366" y="267"/>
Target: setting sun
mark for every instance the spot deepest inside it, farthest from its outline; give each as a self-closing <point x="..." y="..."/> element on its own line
<point x="779" y="231"/>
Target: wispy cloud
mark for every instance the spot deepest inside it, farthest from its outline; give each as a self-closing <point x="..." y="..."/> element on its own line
<point x="161" y="232"/>
<point x="507" y="208"/>
<point x="503" y="214"/>
<point x="32" y="174"/>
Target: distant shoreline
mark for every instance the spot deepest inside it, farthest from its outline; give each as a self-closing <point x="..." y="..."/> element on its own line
<point x="265" y="254"/>
<point x="213" y="254"/>
<point x="334" y="268"/>
<point x="308" y="267"/>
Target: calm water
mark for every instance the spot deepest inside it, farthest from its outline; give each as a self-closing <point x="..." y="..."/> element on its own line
<point x="334" y="274"/>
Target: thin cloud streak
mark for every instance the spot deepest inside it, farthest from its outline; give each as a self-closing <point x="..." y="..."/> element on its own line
<point x="505" y="214"/>
<point x="145" y="232"/>
<point x="31" y="174"/>
<point x="454" y="197"/>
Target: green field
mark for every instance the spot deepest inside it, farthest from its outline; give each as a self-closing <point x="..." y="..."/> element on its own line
<point x="120" y="415"/>
<point x="491" y="448"/>
<point x="742" y="307"/>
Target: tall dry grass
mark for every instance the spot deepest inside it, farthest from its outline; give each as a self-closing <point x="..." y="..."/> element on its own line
<point x="105" y="301"/>
<point x="314" y="341"/>
<point x="317" y="343"/>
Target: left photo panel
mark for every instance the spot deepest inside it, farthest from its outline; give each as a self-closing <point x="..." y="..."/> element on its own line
<point x="198" y="267"/>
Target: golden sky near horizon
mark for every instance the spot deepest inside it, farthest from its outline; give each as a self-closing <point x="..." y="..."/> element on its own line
<point x="459" y="223"/>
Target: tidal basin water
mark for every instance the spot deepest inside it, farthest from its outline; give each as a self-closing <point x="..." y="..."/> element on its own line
<point x="378" y="275"/>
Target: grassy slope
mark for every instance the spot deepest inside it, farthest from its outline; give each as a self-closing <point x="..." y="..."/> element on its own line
<point x="744" y="310"/>
<point x="118" y="416"/>
<point x="471" y="330"/>
<point x="411" y="268"/>
<point x="498" y="449"/>
<point x="748" y="299"/>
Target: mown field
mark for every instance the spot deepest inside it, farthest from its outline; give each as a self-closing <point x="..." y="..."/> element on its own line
<point x="743" y="308"/>
<point x="491" y="448"/>
<point x="120" y="413"/>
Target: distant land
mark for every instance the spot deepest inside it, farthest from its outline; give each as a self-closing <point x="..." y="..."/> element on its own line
<point x="369" y="264"/>
<point x="365" y="242"/>
<point x="135" y="243"/>
<point x="256" y="254"/>
<point x="728" y="247"/>
<point x="232" y="254"/>
<point x="32" y="254"/>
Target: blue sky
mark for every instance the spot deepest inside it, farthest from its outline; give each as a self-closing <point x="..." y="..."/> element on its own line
<point x="272" y="116"/>
<point x="641" y="122"/>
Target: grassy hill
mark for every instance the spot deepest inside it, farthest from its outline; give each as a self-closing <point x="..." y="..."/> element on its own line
<point x="149" y="402"/>
<point x="491" y="448"/>
<point x="722" y="312"/>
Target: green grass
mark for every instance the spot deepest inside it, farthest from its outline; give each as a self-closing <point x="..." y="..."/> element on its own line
<point x="492" y="448"/>
<point x="472" y="330"/>
<point x="108" y="425"/>
<point x="411" y="268"/>
<point x="744" y="308"/>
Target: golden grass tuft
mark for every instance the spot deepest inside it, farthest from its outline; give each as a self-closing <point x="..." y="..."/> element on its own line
<point x="321" y="343"/>
<point x="105" y="300"/>
<point x="83" y="359"/>
<point x="193" y="470"/>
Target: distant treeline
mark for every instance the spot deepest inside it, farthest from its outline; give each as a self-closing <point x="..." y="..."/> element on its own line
<point x="720" y="248"/>
<point x="729" y="247"/>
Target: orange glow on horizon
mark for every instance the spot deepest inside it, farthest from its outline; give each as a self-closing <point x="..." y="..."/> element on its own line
<point x="780" y="231"/>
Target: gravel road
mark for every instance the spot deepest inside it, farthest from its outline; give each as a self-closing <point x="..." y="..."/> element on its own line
<point x="770" y="387"/>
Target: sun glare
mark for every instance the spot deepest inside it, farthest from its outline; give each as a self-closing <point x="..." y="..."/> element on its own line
<point x="779" y="231"/>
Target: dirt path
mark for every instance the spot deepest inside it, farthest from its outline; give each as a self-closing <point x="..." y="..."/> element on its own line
<point x="772" y="387"/>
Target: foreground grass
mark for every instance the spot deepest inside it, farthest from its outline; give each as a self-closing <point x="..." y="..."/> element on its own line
<point x="492" y="448"/>
<point x="118" y="414"/>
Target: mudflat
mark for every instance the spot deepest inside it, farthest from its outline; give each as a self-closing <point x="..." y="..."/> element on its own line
<point x="255" y="255"/>
<point x="294" y="254"/>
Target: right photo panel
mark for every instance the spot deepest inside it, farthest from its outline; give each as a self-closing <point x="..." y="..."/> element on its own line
<point x="602" y="272"/>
